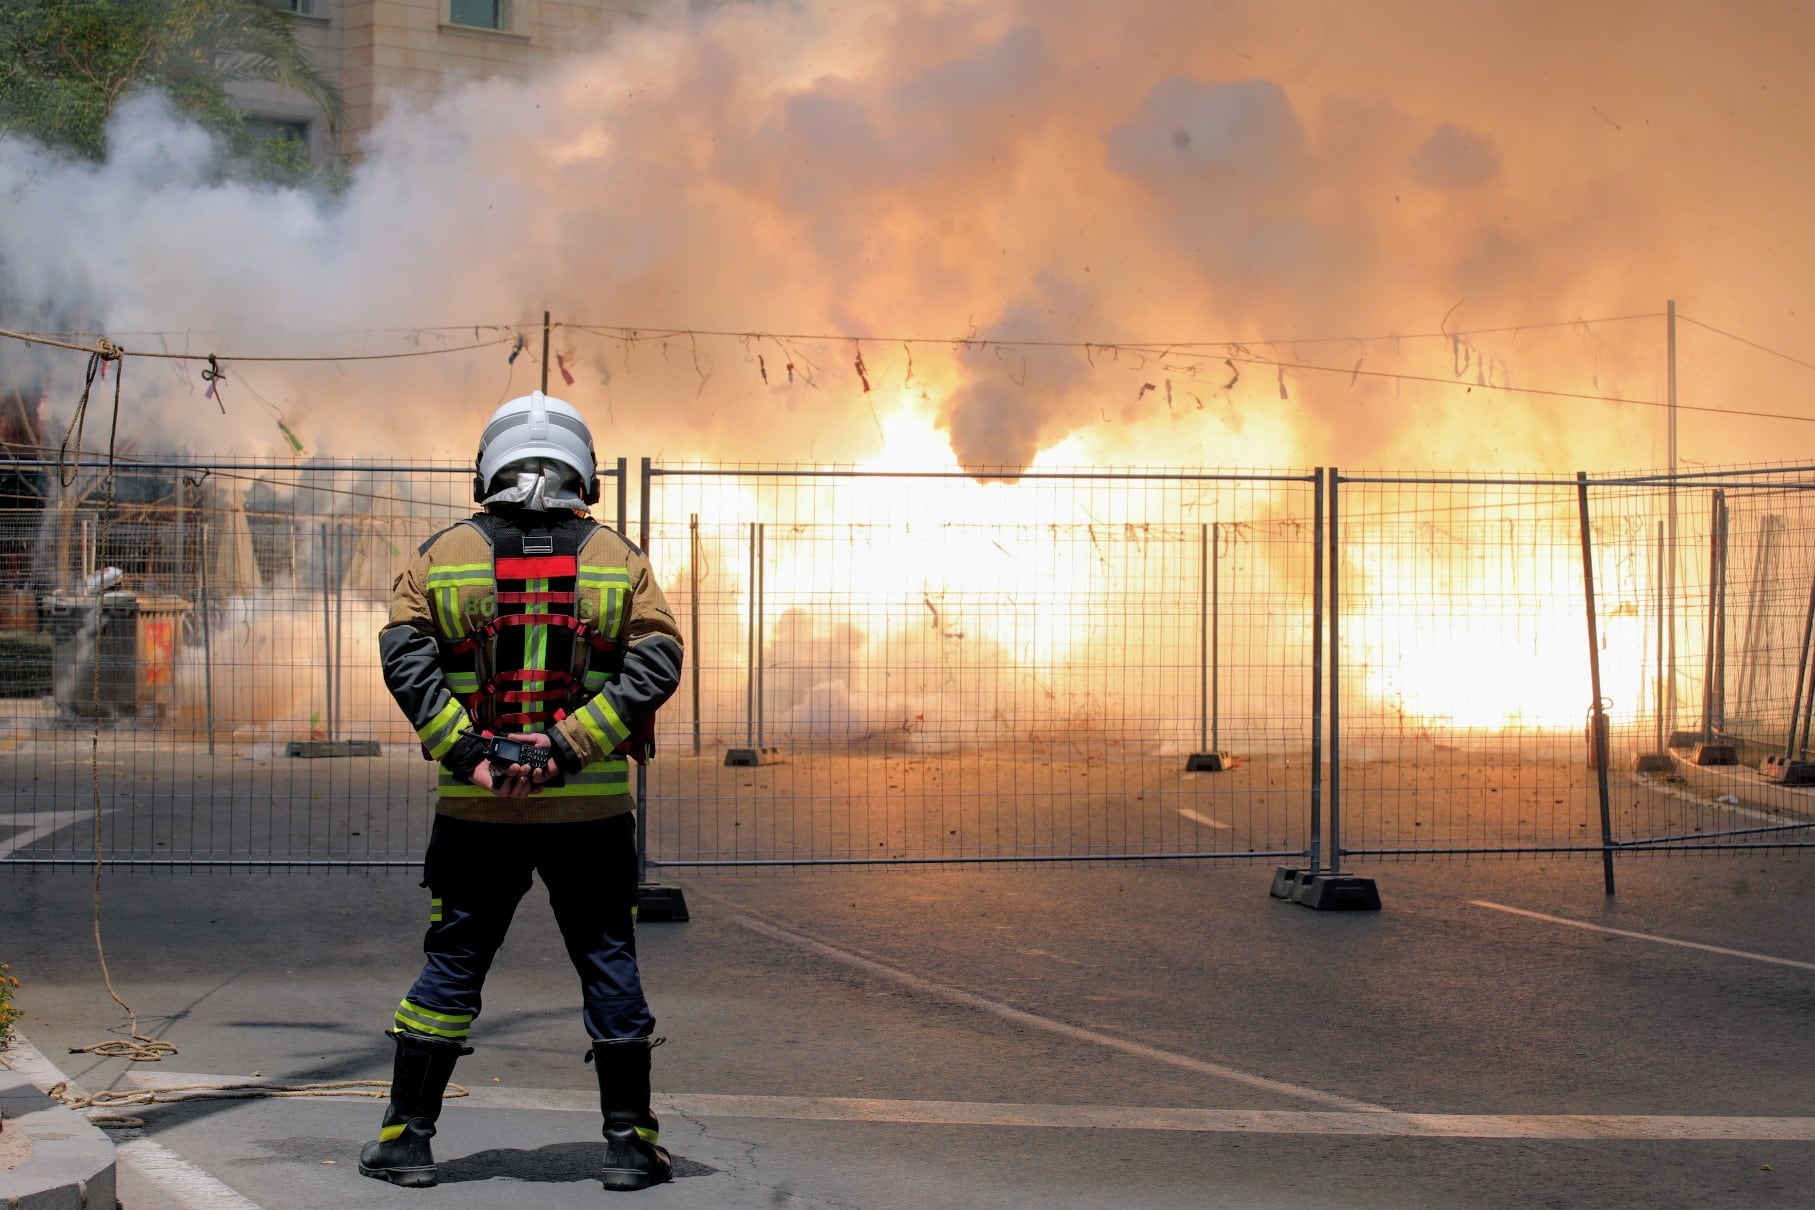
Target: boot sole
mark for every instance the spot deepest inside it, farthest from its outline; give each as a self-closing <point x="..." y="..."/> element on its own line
<point x="630" y="1179"/>
<point x="409" y="1178"/>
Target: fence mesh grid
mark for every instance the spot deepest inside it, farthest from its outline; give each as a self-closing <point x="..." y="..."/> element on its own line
<point x="930" y="668"/>
<point x="195" y="647"/>
<point x="899" y="668"/>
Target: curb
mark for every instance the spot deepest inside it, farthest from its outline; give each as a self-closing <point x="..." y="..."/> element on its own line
<point x="71" y="1165"/>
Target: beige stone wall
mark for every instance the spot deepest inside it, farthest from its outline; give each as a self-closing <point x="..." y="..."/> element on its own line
<point x="389" y="52"/>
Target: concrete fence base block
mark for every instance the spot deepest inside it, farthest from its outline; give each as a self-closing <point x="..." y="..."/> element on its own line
<point x="754" y="756"/>
<point x="68" y="1164"/>
<point x="1325" y="891"/>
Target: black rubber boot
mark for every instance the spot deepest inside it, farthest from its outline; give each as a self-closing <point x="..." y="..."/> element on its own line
<point x="633" y="1158"/>
<point x="400" y="1154"/>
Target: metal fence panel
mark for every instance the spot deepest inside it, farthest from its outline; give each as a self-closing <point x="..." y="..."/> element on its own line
<point x="906" y="668"/>
<point x="194" y="658"/>
<point x="914" y="668"/>
<point x="1459" y="666"/>
<point x="1464" y="680"/>
<point x="1710" y="575"/>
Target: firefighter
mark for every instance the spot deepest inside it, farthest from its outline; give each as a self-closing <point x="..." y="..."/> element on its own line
<point x="529" y="621"/>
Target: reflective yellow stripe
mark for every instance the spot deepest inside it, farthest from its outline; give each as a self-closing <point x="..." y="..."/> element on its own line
<point x="613" y="585"/>
<point x="440" y="732"/>
<point x="387" y="1133"/>
<point x="535" y="647"/>
<point x="600" y="778"/>
<point x="413" y="1018"/>
<point x="602" y="721"/>
<point x="595" y="574"/>
<point x="460" y="573"/>
<point x="463" y="682"/>
<point x="445" y="583"/>
<point x="643" y="1132"/>
<point x="434" y="911"/>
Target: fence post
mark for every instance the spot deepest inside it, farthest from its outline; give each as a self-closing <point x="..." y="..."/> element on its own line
<point x="642" y="791"/>
<point x="750" y="646"/>
<point x="693" y="597"/>
<point x="207" y="643"/>
<point x="327" y="641"/>
<point x="1597" y="729"/>
<point x="1209" y="757"/>
<point x="654" y="902"/>
<point x="1334" y="575"/>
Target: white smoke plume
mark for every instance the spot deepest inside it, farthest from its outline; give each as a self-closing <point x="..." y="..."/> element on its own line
<point x="1037" y="187"/>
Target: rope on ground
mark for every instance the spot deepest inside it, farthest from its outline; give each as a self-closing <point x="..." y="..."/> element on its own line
<point x="100" y="1107"/>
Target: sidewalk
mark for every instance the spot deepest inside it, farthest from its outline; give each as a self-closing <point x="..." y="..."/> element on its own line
<point x="51" y="1157"/>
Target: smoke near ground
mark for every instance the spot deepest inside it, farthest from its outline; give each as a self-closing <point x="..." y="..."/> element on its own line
<point x="758" y="208"/>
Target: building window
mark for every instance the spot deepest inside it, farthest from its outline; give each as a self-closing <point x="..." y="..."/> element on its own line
<point x="279" y="128"/>
<point x="480" y="14"/>
<point x="300" y="7"/>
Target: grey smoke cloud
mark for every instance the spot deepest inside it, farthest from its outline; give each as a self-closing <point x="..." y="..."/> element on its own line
<point x="1305" y="178"/>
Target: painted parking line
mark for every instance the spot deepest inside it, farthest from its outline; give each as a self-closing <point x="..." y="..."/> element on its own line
<point x="1194" y="817"/>
<point x="37" y="825"/>
<point x="953" y="995"/>
<point x="703" y="1105"/>
<point x="1652" y="937"/>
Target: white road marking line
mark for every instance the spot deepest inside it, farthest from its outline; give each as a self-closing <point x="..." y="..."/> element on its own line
<point x="1662" y="1127"/>
<point x="192" y="1188"/>
<point x="46" y="823"/>
<point x="1194" y="817"/>
<point x="1688" y="945"/>
<point x="1021" y="1017"/>
<point x="156" y="1163"/>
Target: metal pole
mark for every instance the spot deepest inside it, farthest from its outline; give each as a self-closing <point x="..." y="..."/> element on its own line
<point x="623" y="522"/>
<point x="1318" y="638"/>
<point x="1203" y="638"/>
<point x="207" y="644"/>
<point x="762" y="571"/>
<point x="1718" y="716"/>
<point x="545" y="352"/>
<point x="340" y="628"/>
<point x="642" y="791"/>
<point x="1670" y="536"/>
<point x="1712" y="655"/>
<point x="1755" y="638"/>
<point x="1658" y="696"/>
<point x="327" y="627"/>
<point x="750" y="647"/>
<point x="1597" y="729"/>
<point x="1216" y="540"/>
<point x="1798" y="716"/>
<point x="693" y="596"/>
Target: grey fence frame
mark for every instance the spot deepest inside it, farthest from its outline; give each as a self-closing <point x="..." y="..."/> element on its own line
<point x="1713" y="767"/>
<point x="1675" y="544"/>
<point x="755" y="747"/>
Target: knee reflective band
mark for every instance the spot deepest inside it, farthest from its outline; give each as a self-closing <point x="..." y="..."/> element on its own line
<point x="633" y="1157"/>
<point x="412" y="1018"/>
<point x="400" y="1154"/>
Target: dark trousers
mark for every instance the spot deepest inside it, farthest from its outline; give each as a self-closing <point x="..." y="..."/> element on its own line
<point x="480" y="871"/>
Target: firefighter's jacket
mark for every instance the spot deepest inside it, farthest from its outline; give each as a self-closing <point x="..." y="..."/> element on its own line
<point x="448" y="585"/>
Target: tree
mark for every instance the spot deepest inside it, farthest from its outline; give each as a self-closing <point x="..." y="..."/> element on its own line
<point x="66" y="64"/>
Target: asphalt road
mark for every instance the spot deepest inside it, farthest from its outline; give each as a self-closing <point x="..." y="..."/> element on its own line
<point x="1101" y="1035"/>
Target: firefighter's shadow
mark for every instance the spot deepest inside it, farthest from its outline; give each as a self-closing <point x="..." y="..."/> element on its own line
<point x="556" y="1163"/>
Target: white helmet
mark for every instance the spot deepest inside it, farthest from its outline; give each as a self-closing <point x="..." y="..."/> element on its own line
<point x="536" y="426"/>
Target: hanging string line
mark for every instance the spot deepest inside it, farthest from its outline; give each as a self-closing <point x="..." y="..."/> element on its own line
<point x="37" y="339"/>
<point x="1751" y="344"/>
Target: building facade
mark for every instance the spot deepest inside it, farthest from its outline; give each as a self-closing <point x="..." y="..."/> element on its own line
<point x="384" y="53"/>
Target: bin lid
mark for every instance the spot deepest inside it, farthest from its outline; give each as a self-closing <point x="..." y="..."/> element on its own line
<point x="164" y="605"/>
